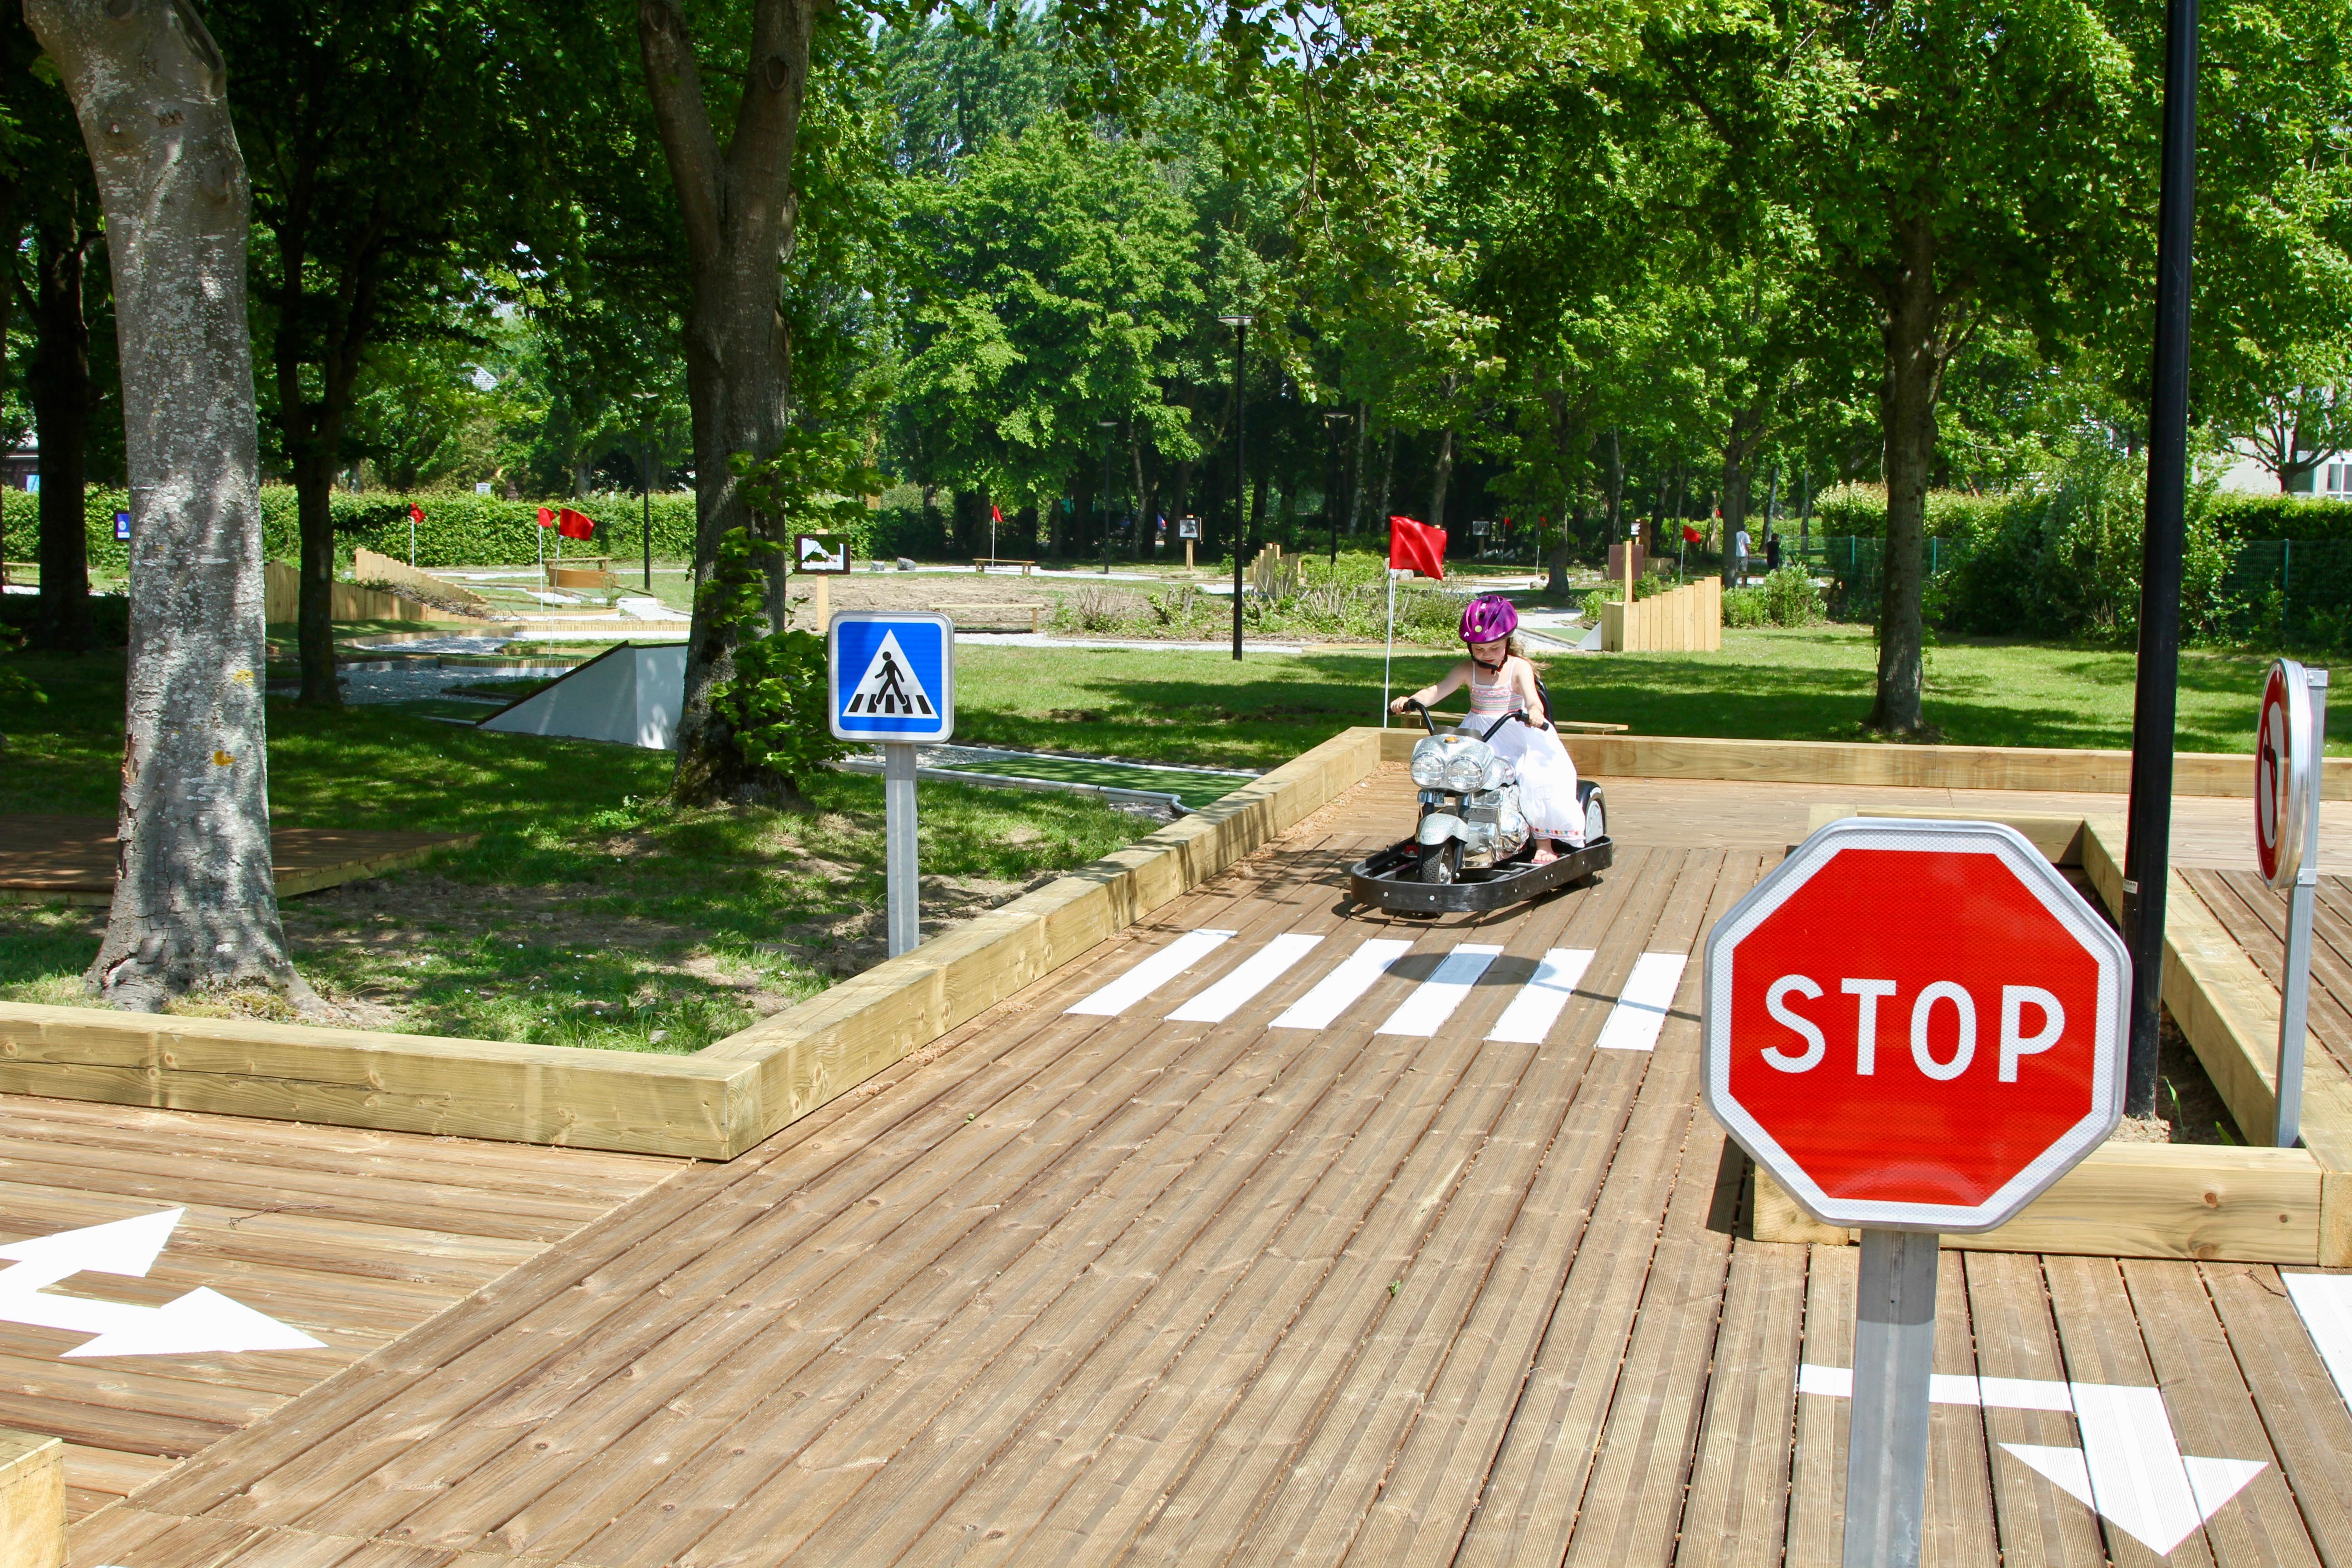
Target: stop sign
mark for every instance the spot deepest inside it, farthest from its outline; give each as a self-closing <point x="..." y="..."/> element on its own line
<point x="1916" y="1025"/>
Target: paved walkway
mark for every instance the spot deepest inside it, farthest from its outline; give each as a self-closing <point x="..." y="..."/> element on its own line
<point x="1274" y="1231"/>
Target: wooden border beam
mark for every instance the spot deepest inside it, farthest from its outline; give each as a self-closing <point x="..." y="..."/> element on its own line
<point x="32" y="1502"/>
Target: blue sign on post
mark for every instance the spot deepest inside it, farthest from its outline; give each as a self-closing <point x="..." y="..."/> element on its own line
<point x="890" y="678"/>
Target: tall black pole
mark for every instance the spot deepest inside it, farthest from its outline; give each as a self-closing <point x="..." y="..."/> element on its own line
<point x="1107" y="428"/>
<point x="2148" y="851"/>
<point x="1241" y="484"/>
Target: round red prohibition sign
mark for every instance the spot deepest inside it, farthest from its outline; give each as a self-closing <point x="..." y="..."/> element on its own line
<point x="2284" y="752"/>
<point x="1916" y="1025"/>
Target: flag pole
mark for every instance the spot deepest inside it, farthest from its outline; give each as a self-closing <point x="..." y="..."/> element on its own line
<point x="1388" y="663"/>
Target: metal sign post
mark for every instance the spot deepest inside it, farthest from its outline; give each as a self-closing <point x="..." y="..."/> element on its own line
<point x="1913" y="1027"/>
<point x="2289" y="744"/>
<point x="890" y="681"/>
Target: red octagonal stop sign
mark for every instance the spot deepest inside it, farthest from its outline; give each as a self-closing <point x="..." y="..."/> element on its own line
<point x="1916" y="1025"/>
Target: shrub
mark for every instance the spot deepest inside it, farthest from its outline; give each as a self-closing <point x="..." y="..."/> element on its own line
<point x="1744" y="607"/>
<point x="776" y="705"/>
<point x="1790" y="599"/>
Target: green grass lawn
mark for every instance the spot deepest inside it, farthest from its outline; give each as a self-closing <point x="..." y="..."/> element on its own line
<point x="1808" y="684"/>
<point x="590" y="913"/>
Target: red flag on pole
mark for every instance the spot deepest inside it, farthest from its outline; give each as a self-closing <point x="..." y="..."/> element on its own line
<point x="996" y="514"/>
<point x="1417" y="547"/>
<point x="546" y="518"/>
<point x="574" y="525"/>
<point x="1690" y="533"/>
<point x="416" y="512"/>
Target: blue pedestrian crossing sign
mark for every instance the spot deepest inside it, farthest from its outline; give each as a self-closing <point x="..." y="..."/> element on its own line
<point x="891" y="678"/>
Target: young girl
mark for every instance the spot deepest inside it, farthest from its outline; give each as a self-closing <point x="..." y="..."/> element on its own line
<point x="1502" y="681"/>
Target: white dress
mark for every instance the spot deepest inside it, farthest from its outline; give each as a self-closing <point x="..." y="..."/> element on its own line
<point x="1546" y="773"/>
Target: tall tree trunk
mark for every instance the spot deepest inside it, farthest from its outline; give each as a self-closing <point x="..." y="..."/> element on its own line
<point x="314" y="620"/>
<point x="1617" y="489"/>
<point x="739" y="216"/>
<point x="59" y="389"/>
<point x="1388" y="484"/>
<point x="1441" y="478"/>
<point x="1916" y="328"/>
<point x="194" y="900"/>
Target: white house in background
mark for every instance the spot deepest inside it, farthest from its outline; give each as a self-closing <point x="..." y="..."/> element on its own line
<point x="2248" y="474"/>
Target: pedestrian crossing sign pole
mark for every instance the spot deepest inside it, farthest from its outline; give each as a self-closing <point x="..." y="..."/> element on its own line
<point x="890" y="682"/>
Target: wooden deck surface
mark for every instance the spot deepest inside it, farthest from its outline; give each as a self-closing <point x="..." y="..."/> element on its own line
<point x="73" y="857"/>
<point x="353" y="1238"/>
<point x="2250" y="911"/>
<point x="1329" y="1272"/>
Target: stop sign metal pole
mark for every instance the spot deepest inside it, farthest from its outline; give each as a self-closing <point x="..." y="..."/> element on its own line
<point x="1886" y="1440"/>
<point x="2294" y="1000"/>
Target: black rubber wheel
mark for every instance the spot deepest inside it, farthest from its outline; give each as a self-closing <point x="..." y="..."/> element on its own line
<point x="1440" y="862"/>
<point x="1596" y="811"/>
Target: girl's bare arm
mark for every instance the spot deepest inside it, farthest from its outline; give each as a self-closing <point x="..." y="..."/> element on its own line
<point x="1429" y="696"/>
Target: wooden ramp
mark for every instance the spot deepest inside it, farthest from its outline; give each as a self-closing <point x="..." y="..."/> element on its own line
<point x="71" y="859"/>
<point x="1274" y="1232"/>
<point x="351" y="1238"/>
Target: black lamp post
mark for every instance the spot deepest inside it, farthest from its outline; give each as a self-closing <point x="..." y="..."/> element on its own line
<point x="1333" y="423"/>
<point x="2147" y="860"/>
<point x="1108" y="426"/>
<point x="1241" y="325"/>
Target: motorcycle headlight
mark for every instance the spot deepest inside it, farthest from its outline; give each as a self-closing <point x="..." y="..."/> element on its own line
<point x="1429" y="763"/>
<point x="1467" y="769"/>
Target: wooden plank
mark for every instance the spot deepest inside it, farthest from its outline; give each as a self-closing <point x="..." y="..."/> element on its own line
<point x="600" y="1456"/>
<point x="32" y="1500"/>
<point x="2103" y="1343"/>
<point x="1081" y="1455"/>
<point x="2305" y="1422"/>
<point x="2189" y="1350"/>
<point x="2137" y="1200"/>
<point x="1737" y="1513"/>
<point x="2039" y="1526"/>
<point x="1817" y="1472"/>
<point x="1934" y="767"/>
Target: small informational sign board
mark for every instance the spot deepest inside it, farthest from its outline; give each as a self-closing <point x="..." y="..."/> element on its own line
<point x="1188" y="528"/>
<point x="1482" y="526"/>
<point x="1913" y="1027"/>
<point x="121" y="525"/>
<point x="2290" y="740"/>
<point x="825" y="553"/>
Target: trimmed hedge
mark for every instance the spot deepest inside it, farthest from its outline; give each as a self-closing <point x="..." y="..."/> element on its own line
<point x="462" y="529"/>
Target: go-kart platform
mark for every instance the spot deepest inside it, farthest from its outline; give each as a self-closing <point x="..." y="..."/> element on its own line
<point x="1276" y="1230"/>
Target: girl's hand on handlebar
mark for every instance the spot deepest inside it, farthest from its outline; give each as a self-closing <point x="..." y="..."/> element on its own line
<point x="1400" y="705"/>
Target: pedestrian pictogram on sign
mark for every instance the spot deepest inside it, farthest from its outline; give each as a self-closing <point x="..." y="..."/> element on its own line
<point x="891" y="677"/>
<point x="887" y="688"/>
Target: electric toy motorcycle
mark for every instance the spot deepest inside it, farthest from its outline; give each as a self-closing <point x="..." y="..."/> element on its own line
<point x="1472" y="849"/>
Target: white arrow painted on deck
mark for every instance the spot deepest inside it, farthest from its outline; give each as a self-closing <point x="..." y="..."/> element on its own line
<point x="2129" y="1470"/>
<point x="202" y="1322"/>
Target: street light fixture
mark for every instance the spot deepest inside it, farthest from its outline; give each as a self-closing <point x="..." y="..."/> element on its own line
<point x="1108" y="426"/>
<point x="1241" y="326"/>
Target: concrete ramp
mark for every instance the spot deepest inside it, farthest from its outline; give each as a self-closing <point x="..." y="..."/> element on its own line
<point x="629" y="695"/>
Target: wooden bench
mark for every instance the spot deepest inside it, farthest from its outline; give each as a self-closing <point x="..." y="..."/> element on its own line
<point x="583" y="572"/>
<point x="980" y="563"/>
<point x="967" y="612"/>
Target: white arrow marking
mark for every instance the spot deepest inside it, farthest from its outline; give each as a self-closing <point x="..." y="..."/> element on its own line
<point x="2324" y="1303"/>
<point x="2129" y="1470"/>
<point x="200" y="1321"/>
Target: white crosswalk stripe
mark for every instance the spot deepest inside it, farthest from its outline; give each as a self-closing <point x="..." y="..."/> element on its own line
<point x="1533" y="1011"/>
<point x="1633" y="1023"/>
<point x="1433" y="1000"/>
<point x="1260" y="970"/>
<point x="1337" y="990"/>
<point x="1150" y="974"/>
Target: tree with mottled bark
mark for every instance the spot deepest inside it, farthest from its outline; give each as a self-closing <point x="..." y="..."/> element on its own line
<point x="739" y="215"/>
<point x="195" y="905"/>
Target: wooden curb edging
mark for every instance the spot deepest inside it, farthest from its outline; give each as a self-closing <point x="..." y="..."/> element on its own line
<point x="32" y="1500"/>
<point x="712" y="1105"/>
<point x="2170" y="1200"/>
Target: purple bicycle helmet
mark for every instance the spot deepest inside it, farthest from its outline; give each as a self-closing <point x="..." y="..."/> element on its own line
<point x="1488" y="618"/>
